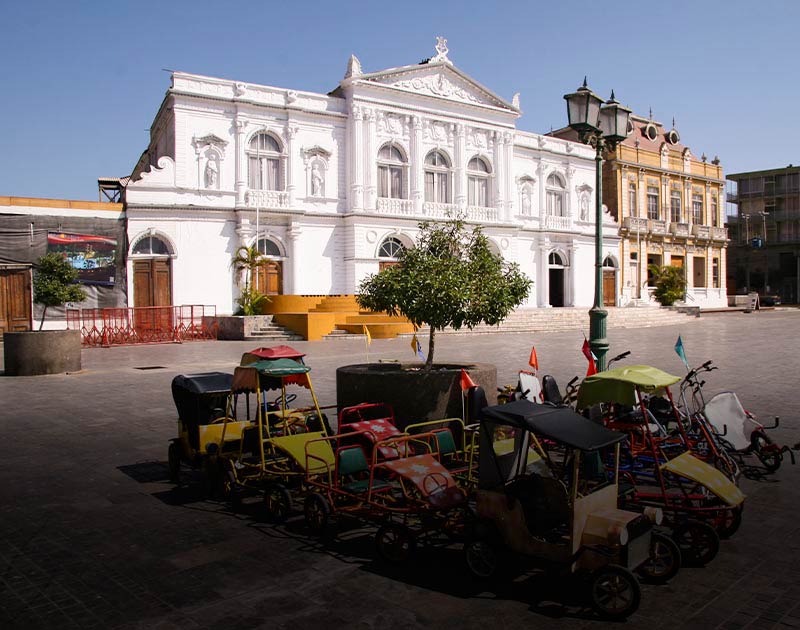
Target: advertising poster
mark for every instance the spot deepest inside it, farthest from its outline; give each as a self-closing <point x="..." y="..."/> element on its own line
<point x="93" y="256"/>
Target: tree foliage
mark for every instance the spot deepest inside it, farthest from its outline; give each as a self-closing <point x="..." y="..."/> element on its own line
<point x="54" y="283"/>
<point x="247" y="261"/>
<point x="449" y="278"/>
<point x="670" y="284"/>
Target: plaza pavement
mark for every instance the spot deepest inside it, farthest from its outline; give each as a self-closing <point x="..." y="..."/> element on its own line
<point x="92" y="535"/>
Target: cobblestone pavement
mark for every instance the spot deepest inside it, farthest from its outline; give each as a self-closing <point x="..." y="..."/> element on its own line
<point x="92" y="535"/>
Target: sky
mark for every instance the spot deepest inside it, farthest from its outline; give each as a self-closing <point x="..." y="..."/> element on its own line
<point x="83" y="80"/>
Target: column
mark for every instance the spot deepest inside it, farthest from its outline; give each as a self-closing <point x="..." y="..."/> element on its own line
<point x="291" y="132"/>
<point x="540" y="169"/>
<point x="293" y="237"/>
<point x="415" y="166"/>
<point x="370" y="160"/>
<point x="498" y="149"/>
<point x="509" y="175"/>
<point x="241" y="162"/>
<point x="544" y="275"/>
<point x="356" y="164"/>
<point x="460" y="171"/>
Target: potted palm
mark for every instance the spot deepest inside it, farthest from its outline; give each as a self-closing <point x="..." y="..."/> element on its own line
<point x="245" y="264"/>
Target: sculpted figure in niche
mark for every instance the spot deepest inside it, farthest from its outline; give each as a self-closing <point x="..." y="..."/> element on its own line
<point x="584" y="208"/>
<point x="211" y="173"/>
<point x="526" y="200"/>
<point x="317" y="182"/>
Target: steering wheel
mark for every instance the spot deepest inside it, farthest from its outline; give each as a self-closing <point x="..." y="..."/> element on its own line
<point x="434" y="482"/>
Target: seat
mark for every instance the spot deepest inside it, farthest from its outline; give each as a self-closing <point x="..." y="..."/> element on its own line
<point x="352" y="471"/>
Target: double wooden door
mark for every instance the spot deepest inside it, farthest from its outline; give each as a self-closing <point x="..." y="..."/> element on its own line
<point x="609" y="287"/>
<point x="15" y="300"/>
<point x="269" y="278"/>
<point x="152" y="286"/>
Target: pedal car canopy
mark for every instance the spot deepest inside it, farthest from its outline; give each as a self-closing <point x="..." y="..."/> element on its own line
<point x="620" y="385"/>
<point x="275" y="352"/>
<point x="561" y="424"/>
<point x="274" y="372"/>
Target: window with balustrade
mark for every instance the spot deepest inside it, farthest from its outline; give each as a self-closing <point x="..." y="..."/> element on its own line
<point x="556" y="196"/>
<point x="652" y="202"/>
<point x="264" y="163"/>
<point x="675" y="206"/>
<point x="478" y="184"/>
<point x="437" y="177"/>
<point x="714" y="211"/>
<point x="633" y="206"/>
<point x="391" y="172"/>
<point x="697" y="209"/>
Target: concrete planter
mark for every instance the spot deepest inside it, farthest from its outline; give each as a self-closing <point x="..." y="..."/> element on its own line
<point x="239" y="327"/>
<point x="32" y="353"/>
<point x="414" y="394"/>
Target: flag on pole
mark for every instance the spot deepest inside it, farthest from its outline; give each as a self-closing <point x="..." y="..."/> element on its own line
<point x="466" y="381"/>
<point x="681" y="352"/>
<point x="587" y="352"/>
<point x="369" y="337"/>
<point x="533" y="361"/>
<point x="416" y="347"/>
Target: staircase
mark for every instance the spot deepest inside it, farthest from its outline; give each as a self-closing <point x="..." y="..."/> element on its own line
<point x="559" y="319"/>
<point x="272" y="332"/>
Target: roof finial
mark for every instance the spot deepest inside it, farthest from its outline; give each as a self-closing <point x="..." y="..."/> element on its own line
<point x="353" y="68"/>
<point x="441" y="50"/>
<point x="651" y="113"/>
<point x="584" y="81"/>
<point x="612" y="99"/>
<point x="673" y="122"/>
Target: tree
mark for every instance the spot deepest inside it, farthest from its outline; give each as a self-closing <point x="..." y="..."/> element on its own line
<point x="670" y="284"/>
<point x="54" y="283"/>
<point x="450" y="278"/>
<point x="248" y="260"/>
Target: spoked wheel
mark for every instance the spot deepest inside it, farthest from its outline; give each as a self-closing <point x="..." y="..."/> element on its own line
<point x="768" y="454"/>
<point x="174" y="462"/>
<point x="482" y="558"/>
<point x="317" y="510"/>
<point x="664" y="560"/>
<point x="614" y="592"/>
<point x="728" y="524"/>
<point x="698" y="541"/>
<point x="277" y="502"/>
<point x="395" y="543"/>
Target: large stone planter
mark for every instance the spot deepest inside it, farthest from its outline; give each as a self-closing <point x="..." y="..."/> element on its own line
<point x="238" y="327"/>
<point x="38" y="352"/>
<point x="415" y="395"/>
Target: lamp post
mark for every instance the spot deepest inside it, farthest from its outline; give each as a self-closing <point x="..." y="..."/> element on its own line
<point x="602" y="126"/>
<point x="764" y="214"/>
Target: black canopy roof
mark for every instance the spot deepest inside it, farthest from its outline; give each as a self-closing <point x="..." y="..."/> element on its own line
<point x="561" y="424"/>
<point x="209" y="383"/>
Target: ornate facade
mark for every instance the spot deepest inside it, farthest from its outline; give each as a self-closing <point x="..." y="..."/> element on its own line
<point x="330" y="186"/>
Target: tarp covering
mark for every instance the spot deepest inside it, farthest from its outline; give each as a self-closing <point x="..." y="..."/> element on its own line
<point x="561" y="424"/>
<point x="620" y="384"/>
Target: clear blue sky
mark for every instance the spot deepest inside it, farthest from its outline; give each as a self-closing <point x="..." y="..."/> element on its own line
<point x="82" y="81"/>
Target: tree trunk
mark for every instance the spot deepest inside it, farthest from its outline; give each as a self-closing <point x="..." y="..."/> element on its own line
<point x="44" y="312"/>
<point x="429" y="362"/>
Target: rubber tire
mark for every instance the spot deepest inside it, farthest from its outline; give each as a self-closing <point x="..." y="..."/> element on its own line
<point x="395" y="543"/>
<point x="277" y="502"/>
<point x="730" y="526"/>
<point x="316" y="510"/>
<point x="687" y="535"/>
<point x="174" y="463"/>
<point x="482" y="558"/>
<point x="607" y="581"/>
<point x="662" y="548"/>
<point x="771" y="461"/>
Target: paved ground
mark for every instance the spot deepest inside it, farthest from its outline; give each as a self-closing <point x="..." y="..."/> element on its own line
<point x="93" y="536"/>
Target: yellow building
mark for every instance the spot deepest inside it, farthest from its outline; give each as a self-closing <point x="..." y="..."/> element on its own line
<point x="670" y="208"/>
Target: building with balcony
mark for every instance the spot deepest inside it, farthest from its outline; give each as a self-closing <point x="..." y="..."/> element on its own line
<point x="764" y="251"/>
<point x="332" y="186"/>
<point x="669" y="207"/>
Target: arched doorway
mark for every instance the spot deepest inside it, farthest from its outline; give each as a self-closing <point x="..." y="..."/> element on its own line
<point x="556" y="279"/>
<point x="389" y="252"/>
<point x="269" y="277"/>
<point x="609" y="282"/>
<point x="152" y="272"/>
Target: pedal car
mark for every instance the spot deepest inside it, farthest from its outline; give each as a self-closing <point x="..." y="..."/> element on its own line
<point x="554" y="507"/>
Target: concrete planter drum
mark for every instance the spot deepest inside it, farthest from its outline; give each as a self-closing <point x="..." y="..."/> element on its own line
<point x="32" y="353"/>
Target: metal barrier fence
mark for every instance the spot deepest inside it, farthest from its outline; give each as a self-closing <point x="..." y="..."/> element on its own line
<point x="144" y="324"/>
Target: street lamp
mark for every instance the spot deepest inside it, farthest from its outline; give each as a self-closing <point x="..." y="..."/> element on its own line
<point x="602" y="126"/>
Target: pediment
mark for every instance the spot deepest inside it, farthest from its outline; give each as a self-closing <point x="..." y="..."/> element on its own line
<point x="438" y="80"/>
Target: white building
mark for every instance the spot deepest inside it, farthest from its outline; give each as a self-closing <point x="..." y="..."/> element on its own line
<point x="330" y="185"/>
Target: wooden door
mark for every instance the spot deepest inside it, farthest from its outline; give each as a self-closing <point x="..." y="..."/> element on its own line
<point x="385" y="264"/>
<point x="152" y="286"/>
<point x="609" y="287"/>
<point x="269" y="278"/>
<point x="15" y="300"/>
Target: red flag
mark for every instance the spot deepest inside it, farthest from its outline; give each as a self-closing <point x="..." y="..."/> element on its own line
<point x="534" y="360"/>
<point x="466" y="381"/>
<point x="587" y="352"/>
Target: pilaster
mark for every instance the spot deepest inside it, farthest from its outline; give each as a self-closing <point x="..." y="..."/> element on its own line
<point x="241" y="162"/>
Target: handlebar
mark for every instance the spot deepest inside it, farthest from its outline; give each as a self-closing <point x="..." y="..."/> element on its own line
<point x="573" y="381"/>
<point x="619" y="357"/>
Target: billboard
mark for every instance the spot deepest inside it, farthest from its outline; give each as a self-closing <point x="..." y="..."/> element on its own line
<point x="91" y="255"/>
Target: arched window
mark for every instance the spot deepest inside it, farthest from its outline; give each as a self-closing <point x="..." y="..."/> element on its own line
<point x="268" y="247"/>
<point x="477" y="183"/>
<point x="391" y="247"/>
<point x="437" y="177"/>
<point x="151" y="246"/>
<point x="608" y="263"/>
<point x="555" y="259"/>
<point x="391" y="172"/>
<point x="556" y="196"/>
<point x="264" y="160"/>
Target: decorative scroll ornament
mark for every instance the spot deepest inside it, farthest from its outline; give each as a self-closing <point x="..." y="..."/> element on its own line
<point x="441" y="51"/>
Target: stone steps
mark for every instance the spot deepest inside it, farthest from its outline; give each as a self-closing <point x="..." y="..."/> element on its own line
<point x="273" y="332"/>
